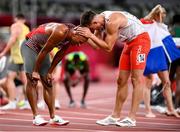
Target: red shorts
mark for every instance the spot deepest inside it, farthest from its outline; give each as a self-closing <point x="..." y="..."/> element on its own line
<point x="135" y="53"/>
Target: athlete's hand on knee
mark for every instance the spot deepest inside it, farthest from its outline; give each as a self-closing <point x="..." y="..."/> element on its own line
<point x="35" y="76"/>
<point x="49" y="80"/>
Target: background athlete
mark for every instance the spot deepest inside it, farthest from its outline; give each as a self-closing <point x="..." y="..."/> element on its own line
<point x="76" y="68"/>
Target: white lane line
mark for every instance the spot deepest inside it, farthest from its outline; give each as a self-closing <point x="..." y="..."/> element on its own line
<point x="110" y="111"/>
<point x="61" y="113"/>
<point x="91" y="114"/>
<point x="84" y="124"/>
<point x="90" y="119"/>
<point x="100" y="101"/>
<point x="48" y="128"/>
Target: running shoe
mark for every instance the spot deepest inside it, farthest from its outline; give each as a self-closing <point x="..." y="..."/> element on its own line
<point x="83" y="104"/>
<point x="10" y="106"/>
<point x="21" y="103"/>
<point x="39" y="121"/>
<point x="58" y="121"/>
<point x="26" y="106"/>
<point x="72" y="104"/>
<point x="126" y="122"/>
<point x="107" y="121"/>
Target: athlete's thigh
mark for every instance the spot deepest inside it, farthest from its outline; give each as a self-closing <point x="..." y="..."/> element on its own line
<point x="124" y="63"/>
<point x="46" y="64"/>
<point x="29" y="58"/>
<point x="138" y="57"/>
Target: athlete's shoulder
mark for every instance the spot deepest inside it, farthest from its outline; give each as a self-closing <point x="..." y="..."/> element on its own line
<point x="15" y="25"/>
<point x="58" y="28"/>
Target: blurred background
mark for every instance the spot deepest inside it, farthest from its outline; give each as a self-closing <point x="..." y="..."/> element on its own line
<point x="42" y="11"/>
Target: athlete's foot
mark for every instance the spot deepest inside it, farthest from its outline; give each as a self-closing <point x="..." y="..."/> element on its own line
<point x="83" y="104"/>
<point x="58" y="121"/>
<point x="39" y="121"/>
<point x="178" y="110"/>
<point x="10" y="106"/>
<point x="172" y="113"/>
<point x="150" y="115"/>
<point x="26" y="106"/>
<point x="72" y="104"/>
<point x="107" y="121"/>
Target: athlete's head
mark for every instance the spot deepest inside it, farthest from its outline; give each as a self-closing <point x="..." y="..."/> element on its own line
<point x="158" y="13"/>
<point x="92" y="20"/>
<point x="19" y="17"/>
<point x="76" y="57"/>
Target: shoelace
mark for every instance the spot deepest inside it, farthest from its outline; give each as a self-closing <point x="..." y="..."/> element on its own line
<point x="57" y="119"/>
<point x="126" y="121"/>
<point x="108" y="119"/>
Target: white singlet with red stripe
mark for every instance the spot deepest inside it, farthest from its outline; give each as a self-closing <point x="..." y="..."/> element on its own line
<point x="133" y="28"/>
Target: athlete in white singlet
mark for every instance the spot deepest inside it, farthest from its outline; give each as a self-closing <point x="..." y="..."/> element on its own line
<point x="126" y="27"/>
<point x="133" y="28"/>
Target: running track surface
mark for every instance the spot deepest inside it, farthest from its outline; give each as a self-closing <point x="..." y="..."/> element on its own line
<point x="100" y="101"/>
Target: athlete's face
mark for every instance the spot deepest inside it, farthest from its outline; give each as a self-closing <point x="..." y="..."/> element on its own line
<point x="97" y="23"/>
<point x="163" y="16"/>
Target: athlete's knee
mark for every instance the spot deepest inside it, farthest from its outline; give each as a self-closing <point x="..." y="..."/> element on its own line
<point x="11" y="76"/>
<point x="30" y="80"/>
<point x="136" y="80"/>
<point x="121" y="81"/>
<point x="166" y="84"/>
<point x="46" y="83"/>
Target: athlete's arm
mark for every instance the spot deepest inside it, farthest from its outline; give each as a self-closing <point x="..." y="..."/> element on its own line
<point x="86" y="66"/>
<point x="109" y="41"/>
<point x="97" y="34"/>
<point x="15" y="32"/>
<point x="57" y="58"/>
<point x="112" y="29"/>
<point x="92" y="44"/>
<point x="56" y="35"/>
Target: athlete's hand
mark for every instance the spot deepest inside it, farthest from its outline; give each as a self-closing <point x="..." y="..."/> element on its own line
<point x="84" y="31"/>
<point x="35" y="76"/>
<point x="48" y="80"/>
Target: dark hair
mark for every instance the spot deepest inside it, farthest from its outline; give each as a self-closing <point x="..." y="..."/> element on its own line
<point x="86" y="18"/>
<point x="20" y="16"/>
<point x="76" y="56"/>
